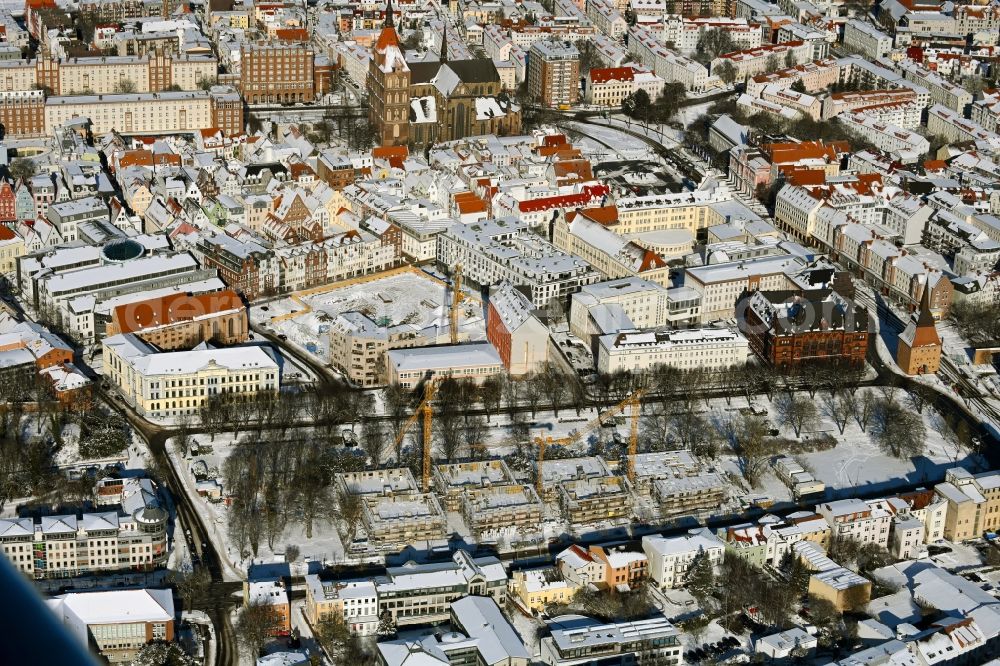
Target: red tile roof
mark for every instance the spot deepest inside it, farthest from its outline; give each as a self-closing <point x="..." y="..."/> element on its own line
<point x="605" y="74"/>
<point x="134" y="317"/>
<point x="589" y="193"/>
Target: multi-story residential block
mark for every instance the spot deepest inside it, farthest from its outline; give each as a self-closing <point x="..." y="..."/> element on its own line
<point x="858" y="520"/>
<point x="863" y="38"/>
<point x="498" y="510"/>
<point x="554" y="73"/>
<point x="417" y="594"/>
<point x="942" y="91"/>
<point x="11" y="247"/>
<point x="22" y="113"/>
<point x="538" y="589"/>
<point x="275" y="72"/>
<point x="355" y="600"/>
<point x="500" y="250"/>
<point x="704" y="348"/>
<point x="670" y="558"/>
<point x="627" y="302"/>
<point x="576" y="639"/>
<point x="451" y="480"/>
<point x="766" y="58"/>
<point x="788" y="329"/>
<point x="943" y="121"/>
<point x="390" y="521"/>
<point x="607" y="18"/>
<point x="906" y="145"/>
<point x="118" y="622"/>
<point x="592" y="500"/>
<point x="132" y="537"/>
<point x="815" y="76"/>
<point x="721" y="285"/>
<point x="246" y="266"/>
<point x="648" y="48"/>
<point x="804" y="103"/>
<point x="973" y="503"/>
<point x="686" y="33"/>
<point x="168" y="384"/>
<point x="867" y="100"/>
<point x="609" y="86"/>
<point x="609" y="252"/>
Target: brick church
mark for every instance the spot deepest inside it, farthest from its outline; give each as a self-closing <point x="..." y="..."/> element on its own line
<point x="422" y="103"/>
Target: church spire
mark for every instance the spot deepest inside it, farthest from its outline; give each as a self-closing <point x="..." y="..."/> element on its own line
<point x="389" y="22"/>
<point x="444" y="44"/>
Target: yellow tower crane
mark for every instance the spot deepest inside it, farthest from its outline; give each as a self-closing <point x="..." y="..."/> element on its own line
<point x="633" y="402"/>
<point x="456" y="301"/>
<point x="426" y="409"/>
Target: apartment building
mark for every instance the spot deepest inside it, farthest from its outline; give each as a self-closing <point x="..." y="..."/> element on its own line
<point x="492" y="511"/>
<point x="130" y="537"/>
<point x="945" y="122"/>
<point x="804" y="103"/>
<point x="648" y="48"/>
<point x="277" y="72"/>
<point x="942" y="91"/>
<point x="763" y="59"/>
<point x="866" y="100"/>
<point x="609" y="86"/>
<point x="22" y="113"/>
<point x="103" y="75"/>
<point x="554" y="73"/>
<point x="721" y="285"/>
<point x="682" y="211"/>
<point x="691" y="349"/>
<point x="973" y="503"/>
<point x="157" y="113"/>
<point x="11" y="247"/>
<point x="393" y="520"/>
<point x="670" y="558"/>
<point x="415" y="594"/>
<point x="354" y="600"/>
<point x="642" y="303"/>
<point x="168" y="384"/>
<point x="610" y="253"/>
<point x="504" y="249"/>
<point x="685" y="33"/>
<point x="577" y="639"/>
<point x="118" y="622"/>
<point x="590" y="500"/>
<point x="451" y="480"/>
<point x="245" y="266"/>
<point x="815" y="76"/>
<point x="906" y="145"/>
<point x="863" y="38"/>
<point x="858" y="520"/>
<point x="183" y="320"/>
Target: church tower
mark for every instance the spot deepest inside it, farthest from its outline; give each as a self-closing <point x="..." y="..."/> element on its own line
<point x="388" y="86"/>
<point x="918" y="351"/>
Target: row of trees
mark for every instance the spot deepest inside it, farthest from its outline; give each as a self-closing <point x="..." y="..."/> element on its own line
<point x="280" y="479"/>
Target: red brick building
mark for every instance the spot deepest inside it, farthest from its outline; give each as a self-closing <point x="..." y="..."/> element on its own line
<point x="788" y="329"/>
<point x="22" y="113"/>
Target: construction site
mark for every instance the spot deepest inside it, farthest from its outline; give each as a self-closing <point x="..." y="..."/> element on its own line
<point x="351" y="325"/>
<point x="490" y="500"/>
